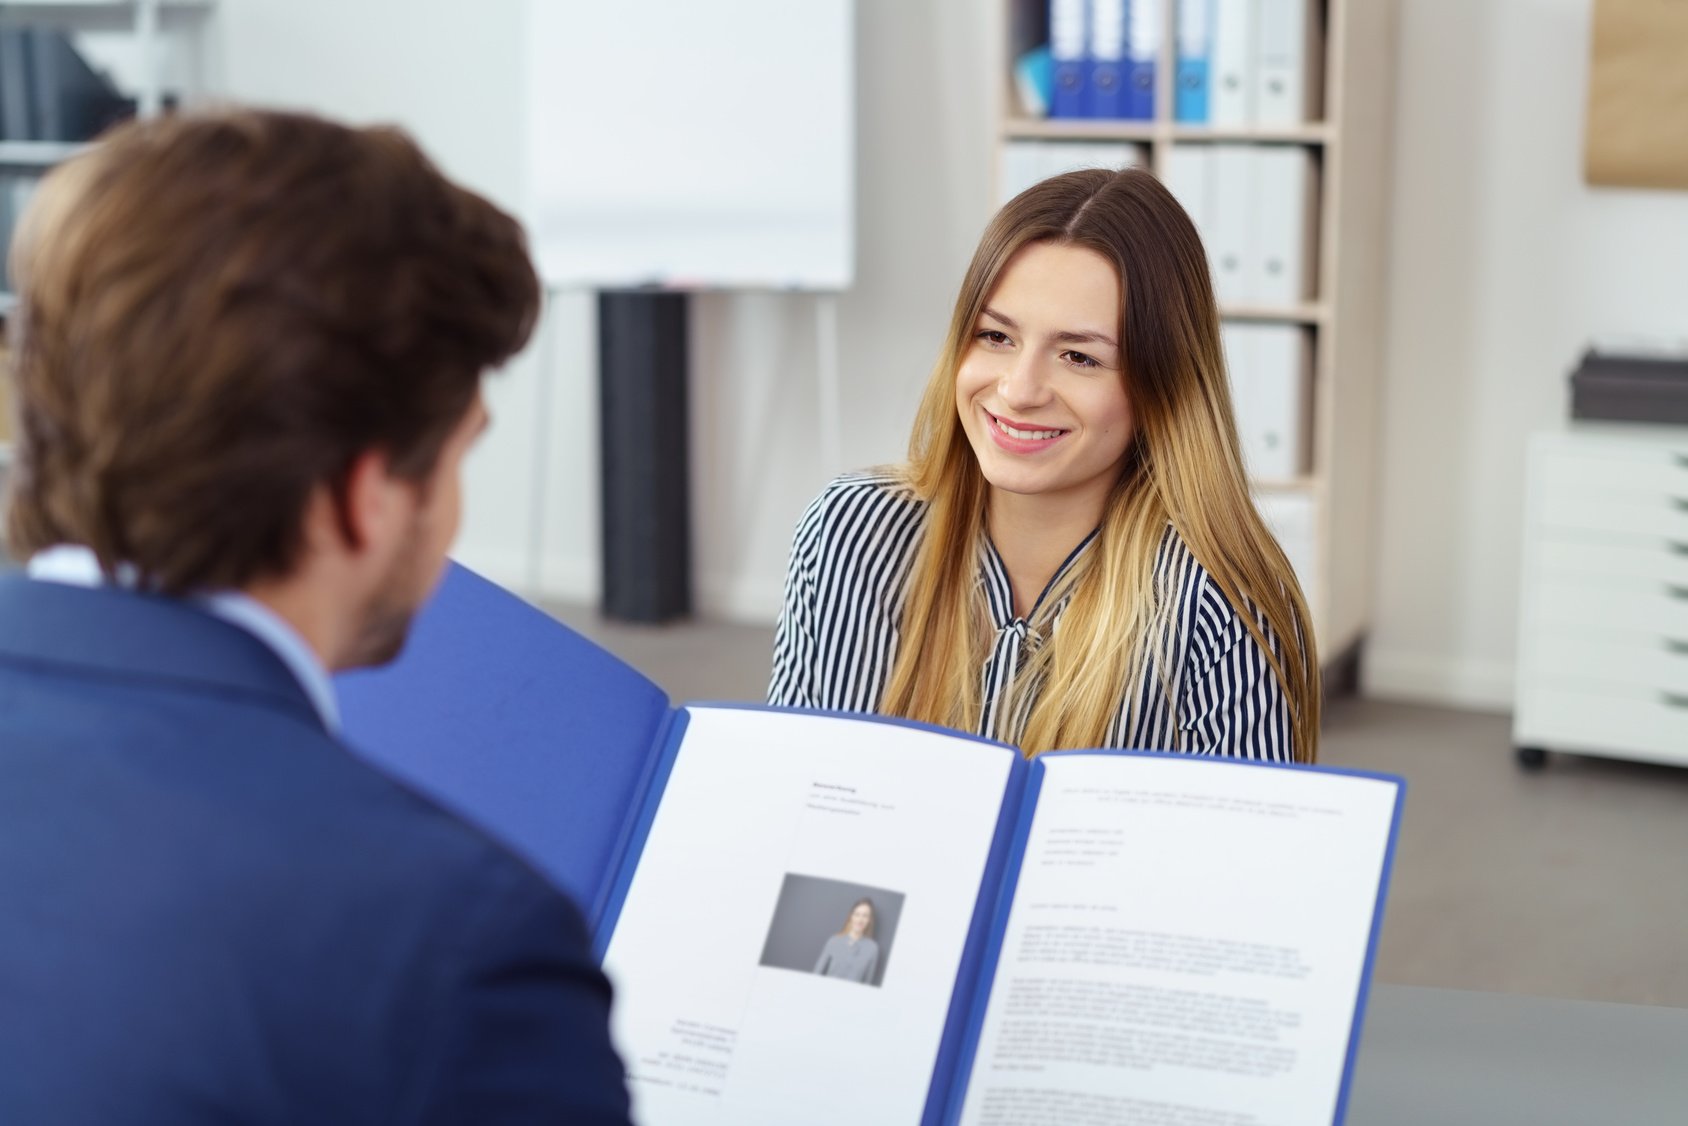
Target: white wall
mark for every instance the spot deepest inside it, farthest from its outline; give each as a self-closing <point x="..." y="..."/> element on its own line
<point x="450" y="72"/>
<point x="923" y="193"/>
<point x="1504" y="265"/>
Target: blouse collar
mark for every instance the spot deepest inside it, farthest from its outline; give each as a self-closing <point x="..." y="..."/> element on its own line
<point x="999" y="593"/>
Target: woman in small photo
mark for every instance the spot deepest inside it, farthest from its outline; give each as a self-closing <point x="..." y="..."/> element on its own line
<point x="852" y="954"/>
<point x="1071" y="556"/>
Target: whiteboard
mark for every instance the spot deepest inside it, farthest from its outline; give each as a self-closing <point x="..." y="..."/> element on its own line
<point x="692" y="143"/>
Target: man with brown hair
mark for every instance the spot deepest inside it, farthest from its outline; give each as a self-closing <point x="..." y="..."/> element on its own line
<point x="247" y="369"/>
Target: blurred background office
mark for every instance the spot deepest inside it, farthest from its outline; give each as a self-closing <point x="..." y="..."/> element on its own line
<point x="1458" y="262"/>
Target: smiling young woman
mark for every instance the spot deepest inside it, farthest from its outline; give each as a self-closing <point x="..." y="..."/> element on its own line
<point x="1071" y="556"/>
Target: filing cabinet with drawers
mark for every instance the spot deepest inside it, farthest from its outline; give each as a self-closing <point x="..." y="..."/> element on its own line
<point x="1603" y="602"/>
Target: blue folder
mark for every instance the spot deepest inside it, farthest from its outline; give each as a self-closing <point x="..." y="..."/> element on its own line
<point x="1194" y="54"/>
<point x="1109" y="27"/>
<point x="1142" y="46"/>
<point x="518" y="724"/>
<point x="561" y="750"/>
<point x="1069" y="49"/>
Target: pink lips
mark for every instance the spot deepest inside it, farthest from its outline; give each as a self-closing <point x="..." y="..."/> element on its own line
<point x="1019" y="445"/>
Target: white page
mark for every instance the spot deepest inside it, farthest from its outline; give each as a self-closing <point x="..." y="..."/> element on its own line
<point x="1186" y="945"/>
<point x="765" y="816"/>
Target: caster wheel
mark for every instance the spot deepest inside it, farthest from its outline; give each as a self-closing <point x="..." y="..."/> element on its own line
<point x="1532" y="758"/>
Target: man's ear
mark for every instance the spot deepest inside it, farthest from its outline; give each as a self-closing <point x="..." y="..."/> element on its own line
<point x="363" y="509"/>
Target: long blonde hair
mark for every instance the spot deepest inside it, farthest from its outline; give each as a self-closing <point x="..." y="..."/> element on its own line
<point x="1185" y="467"/>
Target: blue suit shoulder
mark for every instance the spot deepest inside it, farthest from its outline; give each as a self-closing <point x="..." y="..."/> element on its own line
<point x="221" y="913"/>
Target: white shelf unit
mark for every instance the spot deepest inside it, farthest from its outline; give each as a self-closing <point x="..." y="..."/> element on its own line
<point x="1603" y="596"/>
<point x="1352" y="46"/>
<point x="37" y="154"/>
<point x="152" y="48"/>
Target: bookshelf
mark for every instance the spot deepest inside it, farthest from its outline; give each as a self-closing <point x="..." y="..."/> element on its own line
<point x="1350" y="52"/>
<point x="153" y="50"/>
<point x="37" y="154"/>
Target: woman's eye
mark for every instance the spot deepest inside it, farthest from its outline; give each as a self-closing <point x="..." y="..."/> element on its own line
<point x="991" y="336"/>
<point x="1079" y="359"/>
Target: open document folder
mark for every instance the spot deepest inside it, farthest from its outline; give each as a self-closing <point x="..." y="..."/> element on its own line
<point x="819" y="918"/>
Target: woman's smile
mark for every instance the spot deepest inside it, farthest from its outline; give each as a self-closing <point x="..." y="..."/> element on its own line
<point x="1023" y="437"/>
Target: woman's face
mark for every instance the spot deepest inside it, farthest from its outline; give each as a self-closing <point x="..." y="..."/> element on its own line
<point x="859" y="920"/>
<point x="1040" y="389"/>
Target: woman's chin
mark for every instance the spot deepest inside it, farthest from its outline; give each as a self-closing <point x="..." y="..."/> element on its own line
<point x="1019" y="480"/>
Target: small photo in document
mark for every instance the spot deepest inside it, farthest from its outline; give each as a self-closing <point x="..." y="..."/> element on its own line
<point x="833" y="928"/>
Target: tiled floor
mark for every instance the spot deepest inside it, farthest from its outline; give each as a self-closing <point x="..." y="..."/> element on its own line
<point x="1568" y="882"/>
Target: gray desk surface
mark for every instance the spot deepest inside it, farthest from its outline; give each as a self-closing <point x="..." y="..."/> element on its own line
<point x="1447" y="1057"/>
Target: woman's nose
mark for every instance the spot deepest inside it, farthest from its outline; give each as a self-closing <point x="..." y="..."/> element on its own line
<point x="1023" y="384"/>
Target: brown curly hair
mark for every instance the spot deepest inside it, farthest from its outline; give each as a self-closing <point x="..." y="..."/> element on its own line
<point x="220" y="312"/>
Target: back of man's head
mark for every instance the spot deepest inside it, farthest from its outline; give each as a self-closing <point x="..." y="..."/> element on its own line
<point x="221" y="312"/>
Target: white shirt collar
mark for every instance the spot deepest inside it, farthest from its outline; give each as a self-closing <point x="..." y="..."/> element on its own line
<point x="75" y="565"/>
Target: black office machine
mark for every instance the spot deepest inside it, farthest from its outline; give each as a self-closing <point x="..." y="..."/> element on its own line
<point x="1617" y="387"/>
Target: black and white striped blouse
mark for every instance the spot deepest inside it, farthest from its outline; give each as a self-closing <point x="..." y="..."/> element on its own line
<point x="838" y="632"/>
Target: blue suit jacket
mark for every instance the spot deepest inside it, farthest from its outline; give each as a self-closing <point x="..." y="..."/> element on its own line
<point x="211" y="912"/>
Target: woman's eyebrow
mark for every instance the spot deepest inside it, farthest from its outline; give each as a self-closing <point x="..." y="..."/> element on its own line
<point x="1060" y="337"/>
<point x="1085" y="338"/>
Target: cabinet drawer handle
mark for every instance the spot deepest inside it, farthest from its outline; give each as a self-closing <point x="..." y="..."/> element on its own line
<point x="1680" y="648"/>
<point x="1677" y="547"/>
<point x="1681" y="460"/>
<point x="1674" y="699"/>
<point x="1679" y="503"/>
<point x="1676" y="590"/>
